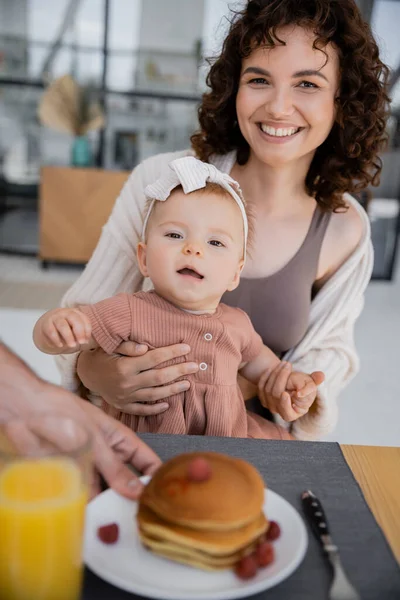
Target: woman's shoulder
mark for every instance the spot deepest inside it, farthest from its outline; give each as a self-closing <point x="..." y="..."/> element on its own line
<point x="347" y="232"/>
<point x="348" y="226"/>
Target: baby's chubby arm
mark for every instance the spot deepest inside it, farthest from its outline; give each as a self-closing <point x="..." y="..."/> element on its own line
<point x="63" y="331"/>
<point x="265" y="362"/>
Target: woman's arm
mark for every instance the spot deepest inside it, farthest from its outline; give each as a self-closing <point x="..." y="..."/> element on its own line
<point x="329" y="342"/>
<point x="343" y="236"/>
<point x="112" y="267"/>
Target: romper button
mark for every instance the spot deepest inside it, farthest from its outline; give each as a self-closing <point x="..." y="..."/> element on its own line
<point x="203" y="366"/>
<point x="208" y="337"/>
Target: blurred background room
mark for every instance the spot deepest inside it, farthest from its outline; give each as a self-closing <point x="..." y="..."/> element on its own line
<point x="88" y="89"/>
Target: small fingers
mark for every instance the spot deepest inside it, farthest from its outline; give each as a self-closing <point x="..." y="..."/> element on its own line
<point x="318" y="377"/>
<point x="270" y="383"/>
<point x="281" y="379"/>
<point x="81" y="327"/>
<point x="51" y="334"/>
<point x="65" y="332"/>
<point x="285" y="408"/>
<point x="307" y="390"/>
<point x="300" y="410"/>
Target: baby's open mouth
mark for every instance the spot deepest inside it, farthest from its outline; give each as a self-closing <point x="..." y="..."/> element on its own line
<point x="190" y="272"/>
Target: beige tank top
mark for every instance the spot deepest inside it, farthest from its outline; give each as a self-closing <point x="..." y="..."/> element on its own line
<point x="279" y="305"/>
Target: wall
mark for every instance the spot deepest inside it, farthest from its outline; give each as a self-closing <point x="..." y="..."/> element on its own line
<point x="385" y="25"/>
<point x="171" y="24"/>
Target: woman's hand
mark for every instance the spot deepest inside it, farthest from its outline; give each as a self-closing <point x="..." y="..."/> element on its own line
<point x="128" y="381"/>
<point x="278" y="395"/>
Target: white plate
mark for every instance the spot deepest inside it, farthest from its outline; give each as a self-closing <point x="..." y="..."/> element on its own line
<point x="129" y="566"/>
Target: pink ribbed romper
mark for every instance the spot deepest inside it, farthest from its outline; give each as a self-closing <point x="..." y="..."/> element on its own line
<point x="219" y="343"/>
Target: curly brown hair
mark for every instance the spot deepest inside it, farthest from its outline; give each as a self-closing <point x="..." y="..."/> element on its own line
<point x="348" y="160"/>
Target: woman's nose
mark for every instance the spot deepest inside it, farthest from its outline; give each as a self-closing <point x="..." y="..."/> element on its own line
<point x="280" y="103"/>
<point x="192" y="249"/>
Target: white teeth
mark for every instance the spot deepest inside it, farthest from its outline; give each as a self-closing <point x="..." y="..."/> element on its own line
<point x="281" y="132"/>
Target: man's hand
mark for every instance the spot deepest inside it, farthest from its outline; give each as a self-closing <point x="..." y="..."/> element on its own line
<point x="115" y="446"/>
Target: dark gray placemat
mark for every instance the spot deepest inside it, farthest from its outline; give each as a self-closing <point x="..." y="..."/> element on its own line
<point x="289" y="468"/>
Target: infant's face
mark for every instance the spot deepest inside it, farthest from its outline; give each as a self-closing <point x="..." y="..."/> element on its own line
<point x="194" y="248"/>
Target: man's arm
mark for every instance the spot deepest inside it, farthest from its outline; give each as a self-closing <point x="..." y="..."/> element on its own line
<point x="24" y="394"/>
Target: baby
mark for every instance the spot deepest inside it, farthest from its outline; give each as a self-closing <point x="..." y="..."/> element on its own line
<point x="193" y="249"/>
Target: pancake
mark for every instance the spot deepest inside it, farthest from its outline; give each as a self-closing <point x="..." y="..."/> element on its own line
<point x="211" y="542"/>
<point x="203" y="509"/>
<point x="232" y="497"/>
<point x="197" y="559"/>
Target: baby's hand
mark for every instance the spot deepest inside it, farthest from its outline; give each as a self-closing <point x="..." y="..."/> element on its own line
<point x="65" y="329"/>
<point x="303" y="390"/>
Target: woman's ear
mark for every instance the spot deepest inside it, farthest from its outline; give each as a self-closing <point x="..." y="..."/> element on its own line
<point x="236" y="279"/>
<point x="141" y="258"/>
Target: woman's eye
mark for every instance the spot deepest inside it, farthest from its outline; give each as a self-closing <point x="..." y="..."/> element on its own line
<point x="174" y="236"/>
<point x="216" y="243"/>
<point x="258" y="81"/>
<point x="308" y="85"/>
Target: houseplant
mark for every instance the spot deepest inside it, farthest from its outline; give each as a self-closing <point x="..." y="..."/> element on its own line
<point x="66" y="106"/>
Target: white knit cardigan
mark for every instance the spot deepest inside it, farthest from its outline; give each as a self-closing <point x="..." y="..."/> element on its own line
<point x="328" y="344"/>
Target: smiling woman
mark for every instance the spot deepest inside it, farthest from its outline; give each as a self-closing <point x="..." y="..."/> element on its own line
<point x="295" y="113"/>
<point x="285" y="112"/>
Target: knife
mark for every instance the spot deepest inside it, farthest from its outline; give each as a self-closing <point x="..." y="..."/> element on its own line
<point x="341" y="588"/>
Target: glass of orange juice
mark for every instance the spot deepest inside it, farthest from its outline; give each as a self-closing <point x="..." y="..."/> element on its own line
<point x="45" y="472"/>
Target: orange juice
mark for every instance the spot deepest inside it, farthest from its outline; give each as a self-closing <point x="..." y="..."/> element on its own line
<point x="42" y="506"/>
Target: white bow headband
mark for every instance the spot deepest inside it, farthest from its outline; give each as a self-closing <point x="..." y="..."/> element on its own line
<point x="193" y="174"/>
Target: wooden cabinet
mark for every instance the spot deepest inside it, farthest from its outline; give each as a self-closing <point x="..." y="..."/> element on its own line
<point x="74" y="205"/>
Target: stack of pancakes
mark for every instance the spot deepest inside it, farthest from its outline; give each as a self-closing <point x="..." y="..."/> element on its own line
<point x="211" y="523"/>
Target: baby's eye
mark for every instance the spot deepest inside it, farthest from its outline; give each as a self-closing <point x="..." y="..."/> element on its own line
<point x="216" y="243"/>
<point x="174" y="236"/>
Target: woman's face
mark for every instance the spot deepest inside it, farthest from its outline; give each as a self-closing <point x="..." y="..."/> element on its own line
<point x="286" y="98"/>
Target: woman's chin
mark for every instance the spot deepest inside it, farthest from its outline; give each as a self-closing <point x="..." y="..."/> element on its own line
<point x="278" y="158"/>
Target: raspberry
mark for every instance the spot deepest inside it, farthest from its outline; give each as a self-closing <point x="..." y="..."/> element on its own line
<point x="265" y="554"/>
<point x="274" y="531"/>
<point x="247" y="567"/>
<point x="199" y="470"/>
<point x="108" y="534"/>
